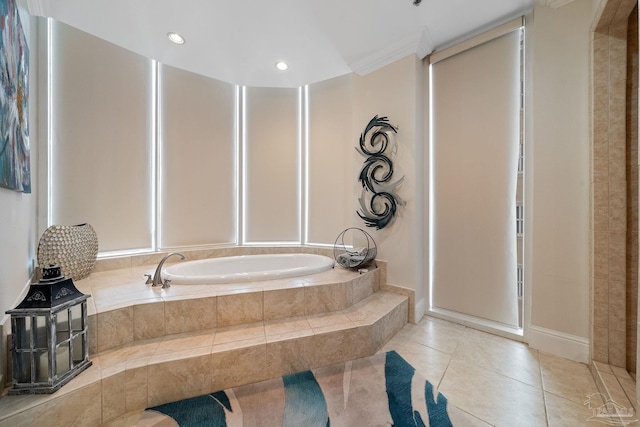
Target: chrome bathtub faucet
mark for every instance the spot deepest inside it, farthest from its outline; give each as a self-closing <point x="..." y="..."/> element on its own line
<point x="157" y="279"/>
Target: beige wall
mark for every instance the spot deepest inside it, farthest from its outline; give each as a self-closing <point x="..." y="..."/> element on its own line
<point x="394" y="91"/>
<point x="18" y="231"/>
<point x="558" y="151"/>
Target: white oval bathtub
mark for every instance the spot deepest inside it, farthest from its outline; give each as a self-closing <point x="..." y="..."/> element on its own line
<point x="245" y="268"/>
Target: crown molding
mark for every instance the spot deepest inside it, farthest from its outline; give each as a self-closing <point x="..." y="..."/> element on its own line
<point x="554" y="4"/>
<point x="380" y="58"/>
<point x="425" y="44"/>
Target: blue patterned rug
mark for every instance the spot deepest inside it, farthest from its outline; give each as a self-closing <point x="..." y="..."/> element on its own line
<point x="380" y="390"/>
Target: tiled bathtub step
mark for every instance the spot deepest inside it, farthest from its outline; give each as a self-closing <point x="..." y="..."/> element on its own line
<point x="189" y="308"/>
<point x="173" y="367"/>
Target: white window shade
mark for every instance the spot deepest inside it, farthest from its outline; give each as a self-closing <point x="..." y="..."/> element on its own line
<point x="197" y="185"/>
<point x="330" y="151"/>
<point x="101" y="164"/>
<point x="475" y="134"/>
<point x="271" y="167"/>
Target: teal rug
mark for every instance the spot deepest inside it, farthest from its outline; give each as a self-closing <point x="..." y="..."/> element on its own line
<point x="380" y="390"/>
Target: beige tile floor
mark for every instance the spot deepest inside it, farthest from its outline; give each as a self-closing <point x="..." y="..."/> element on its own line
<point x="498" y="381"/>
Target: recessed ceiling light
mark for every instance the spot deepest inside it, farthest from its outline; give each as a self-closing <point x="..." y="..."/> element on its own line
<point x="176" y="38"/>
<point x="281" y="65"/>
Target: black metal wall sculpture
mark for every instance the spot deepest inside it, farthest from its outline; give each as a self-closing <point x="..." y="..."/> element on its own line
<point x="378" y="202"/>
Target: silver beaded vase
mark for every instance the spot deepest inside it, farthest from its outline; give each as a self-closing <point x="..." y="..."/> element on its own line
<point x="72" y="247"/>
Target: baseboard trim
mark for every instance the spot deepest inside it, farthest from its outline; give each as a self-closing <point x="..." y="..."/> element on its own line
<point x="559" y="344"/>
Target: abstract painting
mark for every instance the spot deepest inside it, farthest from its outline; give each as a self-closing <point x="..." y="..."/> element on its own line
<point x="15" y="170"/>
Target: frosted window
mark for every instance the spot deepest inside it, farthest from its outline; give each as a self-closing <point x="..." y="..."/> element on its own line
<point x="475" y="128"/>
<point x="197" y="150"/>
<point x="101" y="143"/>
<point x="271" y="165"/>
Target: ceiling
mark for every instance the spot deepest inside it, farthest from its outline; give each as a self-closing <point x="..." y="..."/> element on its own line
<point x="240" y="41"/>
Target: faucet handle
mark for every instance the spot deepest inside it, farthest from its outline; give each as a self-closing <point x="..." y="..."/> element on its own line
<point x="166" y="284"/>
<point x="149" y="280"/>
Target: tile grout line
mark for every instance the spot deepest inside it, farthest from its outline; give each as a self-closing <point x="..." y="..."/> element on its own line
<point x="452" y="356"/>
<point x="453" y="353"/>
<point x="542" y="388"/>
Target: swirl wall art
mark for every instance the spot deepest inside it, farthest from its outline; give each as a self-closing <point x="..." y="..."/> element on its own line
<point x="378" y="201"/>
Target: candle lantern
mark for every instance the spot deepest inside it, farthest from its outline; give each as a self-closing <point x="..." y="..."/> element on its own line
<point x="49" y="335"/>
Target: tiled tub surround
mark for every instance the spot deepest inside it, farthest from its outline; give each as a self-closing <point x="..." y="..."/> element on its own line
<point x="153" y="345"/>
<point x="123" y="309"/>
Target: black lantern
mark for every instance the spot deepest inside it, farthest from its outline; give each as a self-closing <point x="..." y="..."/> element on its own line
<point x="49" y="335"/>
